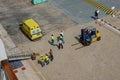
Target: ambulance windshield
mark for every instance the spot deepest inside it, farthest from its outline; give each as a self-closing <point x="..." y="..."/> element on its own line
<point x="36" y="31"/>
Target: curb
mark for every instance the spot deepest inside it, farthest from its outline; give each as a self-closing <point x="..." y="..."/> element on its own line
<point x="108" y="25"/>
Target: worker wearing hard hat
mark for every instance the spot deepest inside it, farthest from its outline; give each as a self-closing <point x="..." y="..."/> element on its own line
<point x="42" y="61"/>
<point x="46" y="59"/>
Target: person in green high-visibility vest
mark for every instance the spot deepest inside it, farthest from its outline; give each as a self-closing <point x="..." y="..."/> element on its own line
<point x="46" y="59"/>
<point x="62" y="38"/>
<point x="42" y="61"/>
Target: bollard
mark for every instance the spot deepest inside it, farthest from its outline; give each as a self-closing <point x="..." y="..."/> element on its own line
<point x="15" y="71"/>
<point x="23" y="68"/>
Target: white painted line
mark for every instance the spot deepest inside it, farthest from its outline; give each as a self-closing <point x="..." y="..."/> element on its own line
<point x="108" y="26"/>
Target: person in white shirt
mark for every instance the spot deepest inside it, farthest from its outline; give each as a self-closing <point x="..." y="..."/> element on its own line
<point x="60" y="44"/>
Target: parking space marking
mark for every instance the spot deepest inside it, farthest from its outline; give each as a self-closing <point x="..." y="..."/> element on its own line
<point x="36" y="70"/>
<point x="101" y="7"/>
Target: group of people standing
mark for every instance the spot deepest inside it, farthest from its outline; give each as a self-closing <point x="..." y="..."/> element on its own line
<point x="60" y="40"/>
<point x="44" y="60"/>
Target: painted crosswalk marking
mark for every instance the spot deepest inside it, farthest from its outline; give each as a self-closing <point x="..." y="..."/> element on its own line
<point x="101" y="7"/>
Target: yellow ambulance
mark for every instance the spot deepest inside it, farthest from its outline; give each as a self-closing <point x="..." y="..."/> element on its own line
<point x="31" y="28"/>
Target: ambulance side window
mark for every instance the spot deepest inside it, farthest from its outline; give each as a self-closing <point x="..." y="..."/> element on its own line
<point x="28" y="28"/>
<point x="24" y="24"/>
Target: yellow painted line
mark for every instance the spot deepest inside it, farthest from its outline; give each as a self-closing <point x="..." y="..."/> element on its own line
<point x="101" y="7"/>
<point x="34" y="71"/>
<point x="39" y="73"/>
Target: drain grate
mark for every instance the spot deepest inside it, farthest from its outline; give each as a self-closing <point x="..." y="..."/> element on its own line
<point x="15" y="64"/>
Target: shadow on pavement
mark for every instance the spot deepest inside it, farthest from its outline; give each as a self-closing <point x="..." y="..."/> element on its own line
<point x="54" y="44"/>
<point x="93" y="17"/>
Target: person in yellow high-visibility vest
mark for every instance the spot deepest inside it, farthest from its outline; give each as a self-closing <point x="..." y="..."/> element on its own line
<point x="46" y="59"/>
<point x="52" y="40"/>
<point x="42" y="61"/>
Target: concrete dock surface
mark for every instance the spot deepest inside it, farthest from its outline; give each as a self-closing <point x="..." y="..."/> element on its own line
<point x="99" y="61"/>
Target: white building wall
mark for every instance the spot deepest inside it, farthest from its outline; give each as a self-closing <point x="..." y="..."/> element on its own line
<point x="3" y="56"/>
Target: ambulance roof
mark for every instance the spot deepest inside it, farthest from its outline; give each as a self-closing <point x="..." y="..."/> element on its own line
<point x="31" y="23"/>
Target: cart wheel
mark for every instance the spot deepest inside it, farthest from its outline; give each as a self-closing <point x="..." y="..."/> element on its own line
<point x="99" y="38"/>
<point x="88" y="43"/>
